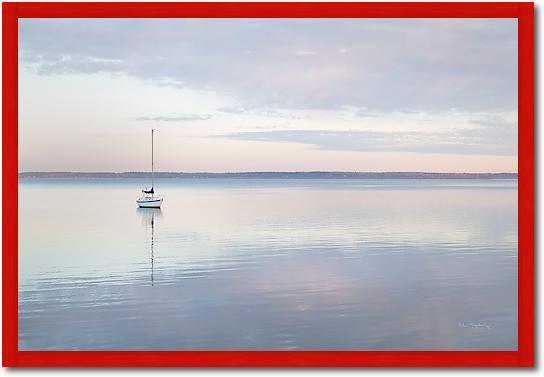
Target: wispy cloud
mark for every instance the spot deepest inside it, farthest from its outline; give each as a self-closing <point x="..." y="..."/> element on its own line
<point x="485" y="139"/>
<point x="232" y="110"/>
<point x="175" y="118"/>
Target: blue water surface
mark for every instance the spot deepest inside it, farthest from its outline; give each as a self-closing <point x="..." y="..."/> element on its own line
<point x="281" y="264"/>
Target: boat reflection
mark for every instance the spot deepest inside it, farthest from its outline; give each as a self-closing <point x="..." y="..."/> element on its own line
<point x="148" y="216"/>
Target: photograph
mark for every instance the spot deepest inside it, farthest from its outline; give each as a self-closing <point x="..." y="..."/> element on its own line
<point x="268" y="184"/>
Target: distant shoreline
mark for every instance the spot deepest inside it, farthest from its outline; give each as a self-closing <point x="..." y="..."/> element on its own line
<point x="269" y="175"/>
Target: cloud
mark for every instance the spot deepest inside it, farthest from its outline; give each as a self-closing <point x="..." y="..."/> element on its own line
<point x="486" y="139"/>
<point x="232" y="110"/>
<point x="392" y="64"/>
<point x="265" y="112"/>
<point x="175" y="118"/>
<point x="66" y="64"/>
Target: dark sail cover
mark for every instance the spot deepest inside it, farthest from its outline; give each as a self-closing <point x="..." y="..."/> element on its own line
<point x="149" y="191"/>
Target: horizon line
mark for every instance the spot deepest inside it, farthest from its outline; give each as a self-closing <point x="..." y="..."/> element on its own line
<point x="257" y="172"/>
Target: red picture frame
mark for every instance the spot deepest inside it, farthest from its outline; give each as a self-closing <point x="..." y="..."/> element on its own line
<point x="523" y="357"/>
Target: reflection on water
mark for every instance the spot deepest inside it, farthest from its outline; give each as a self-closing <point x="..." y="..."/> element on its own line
<point x="268" y="264"/>
<point x="148" y="218"/>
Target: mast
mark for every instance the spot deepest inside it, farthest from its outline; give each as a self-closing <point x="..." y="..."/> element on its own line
<point x="152" y="168"/>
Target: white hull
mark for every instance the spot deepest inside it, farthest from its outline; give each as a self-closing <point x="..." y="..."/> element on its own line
<point x="149" y="202"/>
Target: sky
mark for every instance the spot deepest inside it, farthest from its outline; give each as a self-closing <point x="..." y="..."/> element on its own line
<point x="230" y="95"/>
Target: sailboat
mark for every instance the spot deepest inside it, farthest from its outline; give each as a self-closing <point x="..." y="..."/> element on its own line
<point x="148" y="199"/>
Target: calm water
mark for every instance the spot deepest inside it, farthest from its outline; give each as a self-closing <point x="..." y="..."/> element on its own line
<point x="268" y="264"/>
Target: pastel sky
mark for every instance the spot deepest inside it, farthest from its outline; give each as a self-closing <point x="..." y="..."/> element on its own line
<point x="268" y="94"/>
